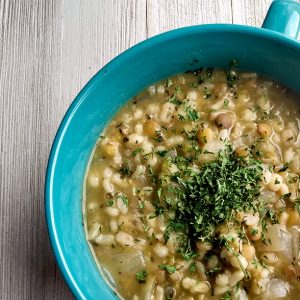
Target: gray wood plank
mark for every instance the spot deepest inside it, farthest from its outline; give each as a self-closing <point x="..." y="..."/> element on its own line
<point x="93" y="33"/>
<point x="248" y="12"/>
<point x="163" y="15"/>
<point x="29" y="80"/>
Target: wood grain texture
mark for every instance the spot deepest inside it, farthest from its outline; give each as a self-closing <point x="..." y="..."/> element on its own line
<point x="30" y="60"/>
<point x="250" y="13"/>
<point x="163" y="15"/>
<point x="48" y="51"/>
<point x="93" y="33"/>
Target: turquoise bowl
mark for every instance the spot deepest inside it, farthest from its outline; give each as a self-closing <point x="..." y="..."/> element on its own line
<point x="272" y="51"/>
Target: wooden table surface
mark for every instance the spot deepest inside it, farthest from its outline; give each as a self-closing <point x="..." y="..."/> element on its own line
<point x="48" y="50"/>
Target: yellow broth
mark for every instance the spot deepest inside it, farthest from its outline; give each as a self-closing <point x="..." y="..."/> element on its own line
<point x="197" y="113"/>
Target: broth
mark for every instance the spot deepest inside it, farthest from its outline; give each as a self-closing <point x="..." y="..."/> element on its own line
<point x="192" y="190"/>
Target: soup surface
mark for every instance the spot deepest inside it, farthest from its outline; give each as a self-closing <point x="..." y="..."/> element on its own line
<point x="192" y="191"/>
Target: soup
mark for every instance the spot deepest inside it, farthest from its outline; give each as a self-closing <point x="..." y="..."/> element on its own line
<point x="192" y="191"/>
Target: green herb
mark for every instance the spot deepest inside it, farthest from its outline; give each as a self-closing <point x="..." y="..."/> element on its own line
<point x="136" y="151"/>
<point x="124" y="199"/>
<point x="225" y="241"/>
<point x="259" y="154"/>
<point x="151" y="175"/>
<point x="254" y="231"/>
<point x="177" y="89"/>
<point x="226" y="102"/>
<point x="141" y="205"/>
<point x="256" y="263"/>
<point x="190" y="114"/>
<point x="168" y="268"/>
<point x="202" y="200"/>
<point x="110" y="202"/>
<point x="175" y="101"/>
<point x="192" y="267"/>
<point x="141" y="276"/>
<point x="162" y="153"/>
<point x="227" y="296"/>
<point x="297" y="205"/>
<point x="159" y="210"/>
<point x="126" y="169"/>
<point x="169" y="82"/>
<point x="272" y="216"/>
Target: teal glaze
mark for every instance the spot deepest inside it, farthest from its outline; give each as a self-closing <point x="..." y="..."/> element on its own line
<point x="261" y="50"/>
<point x="284" y="17"/>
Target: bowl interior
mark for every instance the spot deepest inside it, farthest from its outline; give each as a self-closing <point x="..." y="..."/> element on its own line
<point x="189" y="48"/>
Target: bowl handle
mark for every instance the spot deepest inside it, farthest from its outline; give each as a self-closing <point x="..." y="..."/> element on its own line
<point x="284" y="16"/>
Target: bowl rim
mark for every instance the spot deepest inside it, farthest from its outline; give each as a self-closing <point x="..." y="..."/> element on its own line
<point x="54" y="235"/>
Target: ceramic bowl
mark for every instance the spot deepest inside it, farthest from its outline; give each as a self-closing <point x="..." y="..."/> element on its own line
<point x="272" y="51"/>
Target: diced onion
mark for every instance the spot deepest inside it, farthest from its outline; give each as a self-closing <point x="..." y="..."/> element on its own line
<point x="278" y="239"/>
<point x="276" y="289"/>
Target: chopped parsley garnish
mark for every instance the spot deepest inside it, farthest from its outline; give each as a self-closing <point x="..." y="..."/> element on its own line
<point x="124" y="199"/>
<point x="192" y="267"/>
<point x="126" y="169"/>
<point x="226" y="102"/>
<point x="190" y="114"/>
<point x="169" y="82"/>
<point x="175" y="101"/>
<point x="297" y="205"/>
<point x="162" y="153"/>
<point x="110" y="202"/>
<point x="168" y="268"/>
<point x="203" y="199"/>
<point x="227" y="296"/>
<point x="254" y="231"/>
<point x="136" y="151"/>
<point x="141" y="276"/>
<point x="272" y="216"/>
<point x="177" y="89"/>
<point x="141" y="205"/>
